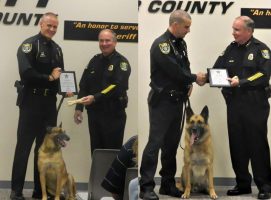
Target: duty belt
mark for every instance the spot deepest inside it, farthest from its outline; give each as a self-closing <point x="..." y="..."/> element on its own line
<point x="42" y="91"/>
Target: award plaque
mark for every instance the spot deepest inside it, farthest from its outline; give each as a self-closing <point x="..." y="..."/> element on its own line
<point x="218" y="78"/>
<point x="67" y="82"/>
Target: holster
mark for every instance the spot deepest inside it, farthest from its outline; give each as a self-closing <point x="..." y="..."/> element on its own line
<point x="227" y="94"/>
<point x="154" y="97"/>
<point x="20" y="92"/>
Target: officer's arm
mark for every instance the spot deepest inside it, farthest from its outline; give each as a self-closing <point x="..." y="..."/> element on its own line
<point x="25" y="56"/>
<point x="119" y="83"/>
<point x="82" y="89"/>
<point x="168" y="63"/>
<point x="262" y="75"/>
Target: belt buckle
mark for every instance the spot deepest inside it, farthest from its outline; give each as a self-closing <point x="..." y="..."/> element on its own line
<point x="46" y="92"/>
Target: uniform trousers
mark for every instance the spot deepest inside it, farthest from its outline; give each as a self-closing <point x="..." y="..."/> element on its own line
<point x="36" y="113"/>
<point x="165" y="119"/>
<point x="106" y="128"/>
<point x="247" y="115"/>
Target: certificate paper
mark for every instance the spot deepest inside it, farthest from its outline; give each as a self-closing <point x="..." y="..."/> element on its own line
<point x="218" y="78"/>
<point x="67" y="82"/>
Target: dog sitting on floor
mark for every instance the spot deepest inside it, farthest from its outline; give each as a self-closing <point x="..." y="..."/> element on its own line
<point x="197" y="172"/>
<point x="53" y="174"/>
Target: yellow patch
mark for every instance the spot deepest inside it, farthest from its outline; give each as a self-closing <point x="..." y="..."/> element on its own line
<point x="164" y="47"/>
<point x="110" y="67"/>
<point x="266" y="54"/>
<point x="26" y="48"/>
<point x="124" y="66"/>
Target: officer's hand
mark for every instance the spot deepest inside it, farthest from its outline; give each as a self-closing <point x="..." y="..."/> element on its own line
<point x="201" y="78"/>
<point x="88" y="100"/>
<point x="78" y="117"/>
<point x="56" y="73"/>
<point x="234" y="81"/>
<point x="69" y="94"/>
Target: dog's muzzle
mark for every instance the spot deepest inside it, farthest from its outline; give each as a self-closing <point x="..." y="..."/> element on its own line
<point x="61" y="139"/>
<point x="196" y="131"/>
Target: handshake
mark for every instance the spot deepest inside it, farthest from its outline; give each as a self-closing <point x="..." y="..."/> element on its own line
<point x="201" y="78"/>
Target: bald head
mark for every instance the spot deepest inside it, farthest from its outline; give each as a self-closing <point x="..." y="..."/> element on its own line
<point x="178" y="16"/>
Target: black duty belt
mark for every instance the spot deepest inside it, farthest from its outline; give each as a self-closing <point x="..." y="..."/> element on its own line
<point x="41" y="91"/>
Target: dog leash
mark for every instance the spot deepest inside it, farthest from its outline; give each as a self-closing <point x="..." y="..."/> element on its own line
<point x="186" y="104"/>
<point x="59" y="105"/>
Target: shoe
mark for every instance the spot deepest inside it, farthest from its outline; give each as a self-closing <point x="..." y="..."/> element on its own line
<point x="263" y="195"/>
<point x="148" y="195"/>
<point x="16" y="196"/>
<point x="238" y="191"/>
<point x="170" y="191"/>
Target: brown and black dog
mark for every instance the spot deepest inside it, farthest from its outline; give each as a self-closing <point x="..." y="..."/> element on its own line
<point x="197" y="172"/>
<point x="53" y="174"/>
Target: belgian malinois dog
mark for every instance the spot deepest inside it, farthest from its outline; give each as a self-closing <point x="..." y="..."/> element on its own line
<point x="197" y="172"/>
<point x="53" y="174"/>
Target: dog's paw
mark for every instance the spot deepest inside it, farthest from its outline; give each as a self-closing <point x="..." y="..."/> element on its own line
<point x="186" y="195"/>
<point x="213" y="195"/>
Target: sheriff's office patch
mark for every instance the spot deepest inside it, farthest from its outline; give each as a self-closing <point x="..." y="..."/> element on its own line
<point x="124" y="66"/>
<point x="265" y="54"/>
<point x="26" y="48"/>
<point x="110" y="67"/>
<point x="250" y="56"/>
<point x="164" y="47"/>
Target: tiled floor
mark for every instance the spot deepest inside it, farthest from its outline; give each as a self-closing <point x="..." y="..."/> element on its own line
<point x="220" y="190"/>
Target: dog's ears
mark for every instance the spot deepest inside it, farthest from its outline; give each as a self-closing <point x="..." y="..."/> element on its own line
<point x="49" y="129"/>
<point x="205" y="114"/>
<point x="60" y="125"/>
<point x="189" y="113"/>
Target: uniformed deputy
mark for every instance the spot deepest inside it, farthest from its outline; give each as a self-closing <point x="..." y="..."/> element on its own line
<point x="40" y="62"/>
<point x="170" y="81"/>
<point x="103" y="85"/>
<point x="248" y="63"/>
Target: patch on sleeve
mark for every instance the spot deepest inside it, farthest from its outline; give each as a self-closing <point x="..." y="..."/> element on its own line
<point x="164" y="47"/>
<point x="124" y="66"/>
<point x="266" y="54"/>
<point x="26" y="48"/>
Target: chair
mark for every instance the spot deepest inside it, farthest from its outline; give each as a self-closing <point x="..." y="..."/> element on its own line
<point x="131" y="173"/>
<point x="101" y="162"/>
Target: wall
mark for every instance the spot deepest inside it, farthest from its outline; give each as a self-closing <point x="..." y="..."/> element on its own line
<point x="209" y="36"/>
<point x="76" y="56"/>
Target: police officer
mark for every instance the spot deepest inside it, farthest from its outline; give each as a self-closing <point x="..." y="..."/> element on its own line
<point x="248" y="63"/>
<point x="40" y="62"/>
<point x="170" y="81"/>
<point x="103" y="88"/>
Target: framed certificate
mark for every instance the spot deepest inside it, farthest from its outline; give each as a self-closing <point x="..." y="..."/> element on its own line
<point x="218" y="78"/>
<point x="67" y="82"/>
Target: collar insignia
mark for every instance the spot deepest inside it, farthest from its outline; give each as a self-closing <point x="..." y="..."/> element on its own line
<point x="164" y="47"/>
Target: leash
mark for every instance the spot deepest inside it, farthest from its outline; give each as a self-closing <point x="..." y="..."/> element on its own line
<point x="59" y="105"/>
<point x="186" y="105"/>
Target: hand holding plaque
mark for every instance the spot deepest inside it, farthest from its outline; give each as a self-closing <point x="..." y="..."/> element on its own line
<point x="67" y="83"/>
<point x="218" y="78"/>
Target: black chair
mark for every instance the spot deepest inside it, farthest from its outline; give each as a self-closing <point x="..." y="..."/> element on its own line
<point x="101" y="162"/>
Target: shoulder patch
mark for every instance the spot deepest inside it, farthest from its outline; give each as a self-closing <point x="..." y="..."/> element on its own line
<point x="27" y="47"/>
<point x="265" y="54"/>
<point x="164" y="47"/>
<point x="124" y="66"/>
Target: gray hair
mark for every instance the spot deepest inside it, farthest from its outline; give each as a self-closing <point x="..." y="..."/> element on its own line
<point x="178" y="16"/>
<point x="248" y="22"/>
<point x="114" y="35"/>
